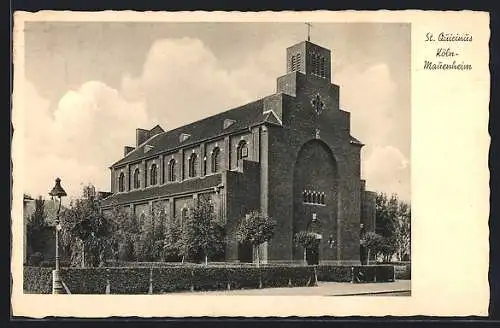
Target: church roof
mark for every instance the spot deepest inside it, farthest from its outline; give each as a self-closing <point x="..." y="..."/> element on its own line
<point x="198" y="183"/>
<point x="244" y="117"/>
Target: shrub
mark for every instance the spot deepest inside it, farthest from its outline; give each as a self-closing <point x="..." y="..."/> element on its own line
<point x="275" y="276"/>
<point x="403" y="272"/>
<point x="37" y="280"/>
<point x="85" y="280"/>
<point x="35" y="259"/>
<point x="166" y="279"/>
<point x="373" y="273"/>
<point x="334" y="273"/>
<point x="52" y="264"/>
<point x="171" y="279"/>
<point x="243" y="277"/>
<point x="210" y="278"/>
<point x="129" y="280"/>
<point x="283" y="276"/>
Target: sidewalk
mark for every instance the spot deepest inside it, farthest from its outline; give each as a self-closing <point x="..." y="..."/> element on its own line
<point x="398" y="288"/>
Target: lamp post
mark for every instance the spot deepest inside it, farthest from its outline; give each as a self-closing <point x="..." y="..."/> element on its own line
<point x="58" y="192"/>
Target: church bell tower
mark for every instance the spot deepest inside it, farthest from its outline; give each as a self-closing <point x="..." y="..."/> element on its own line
<point x="309" y="59"/>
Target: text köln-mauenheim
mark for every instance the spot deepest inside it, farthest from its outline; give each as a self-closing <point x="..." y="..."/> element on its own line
<point x="446" y="54"/>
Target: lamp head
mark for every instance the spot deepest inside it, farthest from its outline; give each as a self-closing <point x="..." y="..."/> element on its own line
<point x="58" y="191"/>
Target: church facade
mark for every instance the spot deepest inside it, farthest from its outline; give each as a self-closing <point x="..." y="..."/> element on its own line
<point x="289" y="155"/>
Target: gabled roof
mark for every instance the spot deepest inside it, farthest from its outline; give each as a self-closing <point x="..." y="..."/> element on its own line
<point x="244" y="117"/>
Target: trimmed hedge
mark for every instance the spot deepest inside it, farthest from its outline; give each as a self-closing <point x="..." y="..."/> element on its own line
<point x="138" y="280"/>
<point x="356" y="274"/>
<point x="288" y="276"/>
<point x="173" y="279"/>
<point x="85" y="280"/>
<point x="244" y="277"/>
<point x="37" y="280"/>
<point x="335" y="273"/>
<point x="129" y="280"/>
<point x="403" y="272"/>
<point x="373" y="273"/>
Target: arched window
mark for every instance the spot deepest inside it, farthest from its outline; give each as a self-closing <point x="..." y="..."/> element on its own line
<point x="137" y="181"/>
<point x="193" y="165"/>
<point x="242" y="150"/>
<point x="171" y="170"/>
<point x="315" y="198"/>
<point x="184" y="214"/>
<point x="121" y="182"/>
<point x="309" y="197"/>
<point x="153" y="177"/>
<point x="322" y="198"/>
<point x="304" y="196"/>
<point x="215" y="160"/>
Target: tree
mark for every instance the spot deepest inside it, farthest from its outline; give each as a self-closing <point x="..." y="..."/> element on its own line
<point x="37" y="223"/>
<point x="125" y="234"/>
<point x="202" y="232"/>
<point x="372" y="242"/>
<point x="388" y="217"/>
<point x="171" y="244"/>
<point x="151" y="238"/>
<point x="403" y="231"/>
<point x="85" y="230"/>
<point x="307" y="240"/>
<point x="256" y="229"/>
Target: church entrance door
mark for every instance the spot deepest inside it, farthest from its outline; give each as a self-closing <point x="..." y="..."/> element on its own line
<point x="312" y="255"/>
<point x="245" y="253"/>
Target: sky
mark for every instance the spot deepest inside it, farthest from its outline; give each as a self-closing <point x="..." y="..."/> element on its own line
<point x="89" y="85"/>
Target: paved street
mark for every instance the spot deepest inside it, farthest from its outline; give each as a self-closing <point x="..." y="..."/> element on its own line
<point x="398" y="288"/>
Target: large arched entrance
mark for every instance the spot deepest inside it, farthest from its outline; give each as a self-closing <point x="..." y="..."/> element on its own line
<point x="315" y="196"/>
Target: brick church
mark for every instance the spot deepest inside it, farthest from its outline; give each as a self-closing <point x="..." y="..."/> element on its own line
<point x="290" y="155"/>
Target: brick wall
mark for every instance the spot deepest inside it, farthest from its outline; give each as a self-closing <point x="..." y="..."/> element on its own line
<point x="300" y="127"/>
<point x="242" y="193"/>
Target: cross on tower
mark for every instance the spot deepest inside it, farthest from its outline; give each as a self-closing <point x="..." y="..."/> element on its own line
<point x="309" y="25"/>
<point x="317" y="104"/>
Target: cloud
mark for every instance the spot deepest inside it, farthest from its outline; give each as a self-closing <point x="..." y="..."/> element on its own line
<point x="388" y="170"/>
<point x="369" y="94"/>
<point x="85" y="134"/>
<point x="183" y="81"/>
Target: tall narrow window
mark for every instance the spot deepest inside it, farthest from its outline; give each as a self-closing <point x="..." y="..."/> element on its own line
<point x="204" y="172"/>
<point x="171" y="170"/>
<point x="193" y="165"/>
<point x="297" y="68"/>
<point x="184" y="214"/>
<point x="242" y="150"/>
<point x="215" y="160"/>
<point x="137" y="182"/>
<point x="121" y="182"/>
<point x="153" y="176"/>
<point x="293" y="63"/>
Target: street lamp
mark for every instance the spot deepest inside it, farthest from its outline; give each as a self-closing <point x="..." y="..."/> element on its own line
<point x="57" y="191"/>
